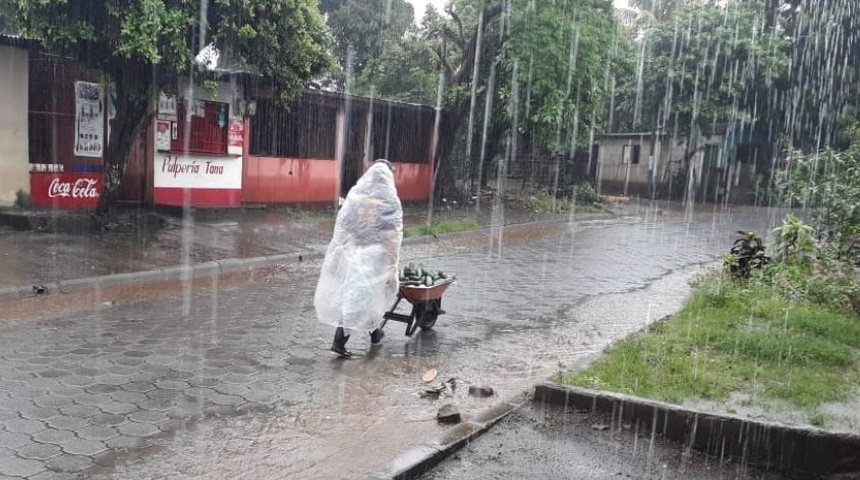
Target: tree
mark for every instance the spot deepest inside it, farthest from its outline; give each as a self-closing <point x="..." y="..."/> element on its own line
<point x="822" y="88"/>
<point x="143" y="46"/>
<point x="363" y="28"/>
<point x="539" y="69"/>
<point x="829" y="183"/>
<point x="705" y="65"/>
<point x="403" y="72"/>
<point x="541" y="65"/>
<point x="560" y="52"/>
<point x="710" y="65"/>
<point x="8" y="22"/>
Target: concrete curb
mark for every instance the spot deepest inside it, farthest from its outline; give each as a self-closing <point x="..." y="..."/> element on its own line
<point x="234" y="265"/>
<point x="795" y="452"/>
<point x="420" y="459"/>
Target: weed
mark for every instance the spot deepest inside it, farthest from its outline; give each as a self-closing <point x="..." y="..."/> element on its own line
<point x="818" y="419"/>
<point x="794" y="241"/>
<point x="541" y="426"/>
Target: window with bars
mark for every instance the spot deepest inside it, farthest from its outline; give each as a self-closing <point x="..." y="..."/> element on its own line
<point x="205" y="130"/>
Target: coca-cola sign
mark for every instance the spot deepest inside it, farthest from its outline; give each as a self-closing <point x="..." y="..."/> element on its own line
<point x="81" y="188"/>
<point x="65" y="190"/>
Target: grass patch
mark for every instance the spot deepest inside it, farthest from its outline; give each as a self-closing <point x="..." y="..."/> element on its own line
<point x="449" y="226"/>
<point x="737" y="337"/>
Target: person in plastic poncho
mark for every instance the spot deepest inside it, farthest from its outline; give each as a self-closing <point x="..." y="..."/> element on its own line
<point x="359" y="276"/>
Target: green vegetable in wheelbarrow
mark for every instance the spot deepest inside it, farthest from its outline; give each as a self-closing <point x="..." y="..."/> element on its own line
<point x="421" y="276"/>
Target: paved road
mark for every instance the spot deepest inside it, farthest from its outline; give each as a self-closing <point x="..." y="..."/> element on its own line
<point x="229" y="379"/>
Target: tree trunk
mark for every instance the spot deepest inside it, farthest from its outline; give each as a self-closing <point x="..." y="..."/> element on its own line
<point x="452" y="120"/>
<point x="132" y="116"/>
<point x="454" y="113"/>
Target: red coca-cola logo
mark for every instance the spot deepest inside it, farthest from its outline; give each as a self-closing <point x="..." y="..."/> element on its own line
<point x="80" y="188"/>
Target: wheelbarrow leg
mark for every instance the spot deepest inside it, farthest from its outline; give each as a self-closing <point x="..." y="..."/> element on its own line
<point x="419" y="309"/>
<point x="390" y="315"/>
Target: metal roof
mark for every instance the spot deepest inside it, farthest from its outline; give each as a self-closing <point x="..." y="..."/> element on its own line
<point x="629" y="135"/>
<point x="16" y="41"/>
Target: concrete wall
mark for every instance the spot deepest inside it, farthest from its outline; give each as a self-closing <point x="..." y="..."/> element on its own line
<point x="617" y="177"/>
<point x="14" y="144"/>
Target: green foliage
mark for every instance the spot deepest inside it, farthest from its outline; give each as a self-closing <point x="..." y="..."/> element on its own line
<point x="543" y="202"/>
<point x="828" y="182"/>
<point x="560" y="51"/>
<point x="827" y="281"/>
<point x="736" y="337"/>
<point x="660" y="9"/>
<point x="364" y="29"/>
<point x="8" y="20"/>
<point x="402" y="72"/>
<point x="707" y="62"/>
<point x="794" y="241"/>
<point x="746" y="255"/>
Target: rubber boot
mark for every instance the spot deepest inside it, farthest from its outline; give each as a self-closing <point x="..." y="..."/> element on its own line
<point x="338" y="346"/>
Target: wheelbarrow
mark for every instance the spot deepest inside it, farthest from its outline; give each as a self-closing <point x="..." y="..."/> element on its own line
<point x="426" y="305"/>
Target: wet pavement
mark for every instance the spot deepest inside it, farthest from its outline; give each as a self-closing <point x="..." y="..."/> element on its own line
<point x="32" y="257"/>
<point x="231" y="378"/>
<point x="550" y="442"/>
<point x="149" y="241"/>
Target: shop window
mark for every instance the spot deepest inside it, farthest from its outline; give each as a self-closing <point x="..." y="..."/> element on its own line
<point x="630" y="154"/>
<point x="299" y="130"/>
<point x="205" y="129"/>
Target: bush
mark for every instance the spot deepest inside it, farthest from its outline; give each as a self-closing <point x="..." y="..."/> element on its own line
<point x="805" y="271"/>
<point x="794" y="241"/>
<point x="747" y="254"/>
<point x="829" y="182"/>
<point x="827" y="281"/>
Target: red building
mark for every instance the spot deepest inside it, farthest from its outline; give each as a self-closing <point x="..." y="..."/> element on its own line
<point x="218" y="149"/>
<point x="315" y="149"/>
<point x="67" y="126"/>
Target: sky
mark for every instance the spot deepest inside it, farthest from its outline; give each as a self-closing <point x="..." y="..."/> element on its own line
<point x="421" y="4"/>
<point x="440" y="4"/>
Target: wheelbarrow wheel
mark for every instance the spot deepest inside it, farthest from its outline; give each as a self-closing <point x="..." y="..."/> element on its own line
<point x="426" y="314"/>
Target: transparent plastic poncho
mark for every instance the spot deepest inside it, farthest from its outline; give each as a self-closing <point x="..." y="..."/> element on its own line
<point x="359" y="277"/>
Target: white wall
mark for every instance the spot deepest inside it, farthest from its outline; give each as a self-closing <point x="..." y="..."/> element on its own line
<point x="14" y="143"/>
